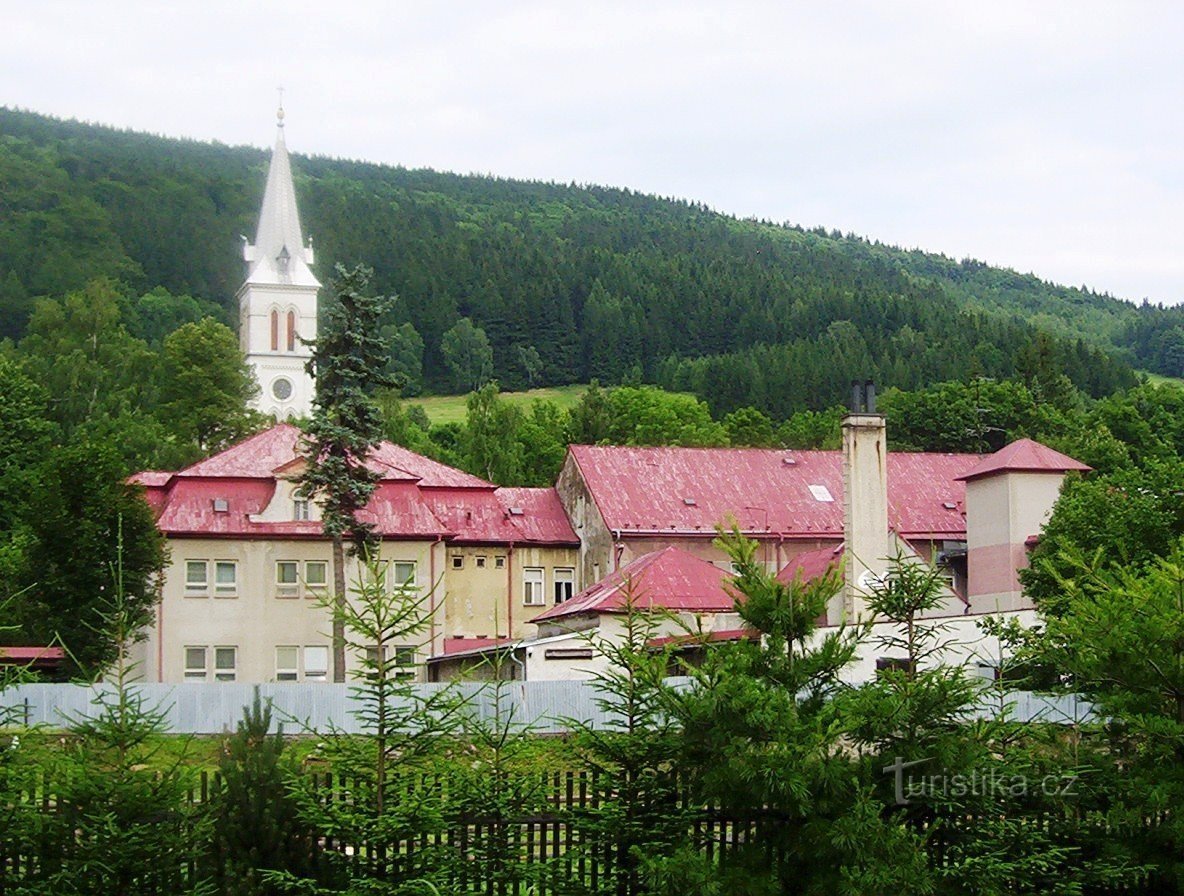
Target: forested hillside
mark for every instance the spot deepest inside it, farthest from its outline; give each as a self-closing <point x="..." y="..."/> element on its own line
<point x="564" y="283"/>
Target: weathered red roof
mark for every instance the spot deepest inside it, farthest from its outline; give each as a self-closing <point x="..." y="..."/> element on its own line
<point x="189" y="508"/>
<point x="542" y="519"/>
<point x="403" y="462"/>
<point x="671" y="579"/>
<point x="277" y="450"/>
<point x="471" y="515"/>
<point x="31" y="654"/>
<point x="411" y="490"/>
<point x="1024" y="456"/>
<point x="688" y="491"/>
<point x="463" y="645"/>
<point x="811" y="565"/>
<point x="151" y="478"/>
<point x="254" y="458"/>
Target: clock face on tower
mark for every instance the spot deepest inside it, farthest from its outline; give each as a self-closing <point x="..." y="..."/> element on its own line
<point x="281" y="388"/>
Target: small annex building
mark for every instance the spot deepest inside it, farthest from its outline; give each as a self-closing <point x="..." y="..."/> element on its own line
<point x="689" y="596"/>
<point x="247" y="559"/>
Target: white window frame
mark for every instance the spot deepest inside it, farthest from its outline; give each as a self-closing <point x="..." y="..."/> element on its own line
<point x="285" y="589"/>
<point x="226" y="589"/>
<point x="194" y="588"/>
<point x="458" y="561"/>
<point x="316" y="589"/>
<point x="479" y="561"/>
<point x="563" y="575"/>
<point x="312" y="673"/>
<point x="534" y="582"/>
<point x="406" y="583"/>
<point x="225" y="673"/>
<point x="499" y="562"/>
<point x="193" y="672"/>
<point x="301" y="511"/>
<point x="287" y="671"/>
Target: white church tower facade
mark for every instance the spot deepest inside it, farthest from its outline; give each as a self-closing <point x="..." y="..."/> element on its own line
<point x="277" y="302"/>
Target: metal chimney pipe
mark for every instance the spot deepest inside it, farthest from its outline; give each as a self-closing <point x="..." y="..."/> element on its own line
<point x="869" y="397"/>
<point x="856" y="397"/>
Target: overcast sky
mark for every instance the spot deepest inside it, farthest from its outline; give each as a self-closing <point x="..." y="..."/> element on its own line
<point x="1043" y="136"/>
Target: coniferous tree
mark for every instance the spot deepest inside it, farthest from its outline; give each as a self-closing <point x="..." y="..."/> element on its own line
<point x="256" y="825"/>
<point x="348" y="362"/>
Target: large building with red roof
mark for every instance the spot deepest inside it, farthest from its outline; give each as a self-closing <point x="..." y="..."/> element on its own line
<point x="626" y="501"/>
<point x="248" y="558"/>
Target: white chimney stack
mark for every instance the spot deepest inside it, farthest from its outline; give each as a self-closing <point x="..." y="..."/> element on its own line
<point x="865" y="498"/>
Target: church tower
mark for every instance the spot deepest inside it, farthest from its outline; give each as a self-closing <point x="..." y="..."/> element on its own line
<point x="277" y="303"/>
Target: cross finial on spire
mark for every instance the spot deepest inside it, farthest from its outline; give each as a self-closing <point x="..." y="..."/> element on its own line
<point x="279" y="113"/>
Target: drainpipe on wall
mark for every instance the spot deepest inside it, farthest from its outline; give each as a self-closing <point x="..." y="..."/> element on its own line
<point x="160" y="639"/>
<point x="618" y="549"/>
<point x="509" y="592"/>
<point x="433" y="583"/>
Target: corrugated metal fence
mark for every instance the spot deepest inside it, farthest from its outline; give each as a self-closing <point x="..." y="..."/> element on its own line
<point x="544" y="706"/>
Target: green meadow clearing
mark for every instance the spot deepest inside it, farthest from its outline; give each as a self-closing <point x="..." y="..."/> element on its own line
<point x="451" y="408"/>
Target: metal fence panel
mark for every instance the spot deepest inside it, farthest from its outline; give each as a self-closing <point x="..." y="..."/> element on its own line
<point x="541" y="706"/>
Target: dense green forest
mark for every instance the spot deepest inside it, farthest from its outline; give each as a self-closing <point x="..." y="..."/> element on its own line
<point x="561" y="283"/>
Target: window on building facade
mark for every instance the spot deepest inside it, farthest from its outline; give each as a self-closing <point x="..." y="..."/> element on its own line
<point x="404" y="662"/>
<point x="404" y="571"/>
<point x="400" y="657"/>
<point x="197" y="578"/>
<point x="300" y="511"/>
<point x="316" y="662"/>
<point x="225" y="663"/>
<point x="275" y="331"/>
<point x="480" y="562"/>
<point x="499" y="562"/>
<point x="225" y="578"/>
<point x="532" y="586"/>
<point x="565" y="579"/>
<point x="316" y="578"/>
<point x="287" y="664"/>
<point x="458" y="562"/>
<point x="291" y="331"/>
<point x="287" y="578"/>
<point x="195" y="664"/>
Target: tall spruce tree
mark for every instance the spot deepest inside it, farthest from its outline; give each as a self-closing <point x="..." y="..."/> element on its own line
<point x="349" y="361"/>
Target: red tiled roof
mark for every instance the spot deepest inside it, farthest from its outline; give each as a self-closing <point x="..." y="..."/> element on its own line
<point x="671" y="578"/>
<point x="690" y="490"/>
<point x="1024" y="456"/>
<point x="542" y="519"/>
<point x="811" y="565"/>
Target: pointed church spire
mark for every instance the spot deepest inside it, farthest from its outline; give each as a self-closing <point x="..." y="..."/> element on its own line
<point x="278" y="300"/>
<point x="279" y="254"/>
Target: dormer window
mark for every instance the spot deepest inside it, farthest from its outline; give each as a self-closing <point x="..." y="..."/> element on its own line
<point x="300" y="510"/>
<point x="281" y="260"/>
